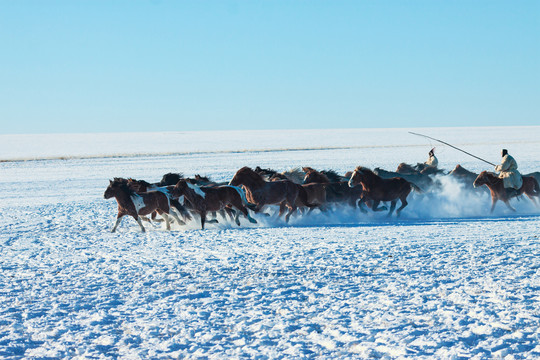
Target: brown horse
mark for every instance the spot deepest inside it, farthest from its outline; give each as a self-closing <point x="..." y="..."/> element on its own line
<point x="204" y="199"/>
<point x="378" y="189"/>
<point x="495" y="184"/>
<point x="140" y="186"/>
<point x="336" y="191"/>
<point x="137" y="204"/>
<point x="261" y="192"/>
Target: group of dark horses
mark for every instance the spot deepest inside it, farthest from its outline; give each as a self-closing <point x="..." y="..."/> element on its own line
<point x="298" y="190"/>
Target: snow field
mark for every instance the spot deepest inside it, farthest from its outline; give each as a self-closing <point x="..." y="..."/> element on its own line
<point x="446" y="280"/>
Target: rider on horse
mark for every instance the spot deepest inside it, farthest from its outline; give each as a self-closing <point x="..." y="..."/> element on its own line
<point x="432" y="161"/>
<point x="508" y="172"/>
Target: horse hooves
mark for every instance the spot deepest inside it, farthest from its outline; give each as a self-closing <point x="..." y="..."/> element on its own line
<point x="213" y="221"/>
<point x="253" y="221"/>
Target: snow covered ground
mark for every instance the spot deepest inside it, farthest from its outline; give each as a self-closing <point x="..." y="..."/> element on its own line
<point x="447" y="280"/>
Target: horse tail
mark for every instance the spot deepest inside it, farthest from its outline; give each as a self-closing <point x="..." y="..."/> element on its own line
<point x="242" y="194"/>
<point x="303" y="196"/>
<point x="181" y="209"/>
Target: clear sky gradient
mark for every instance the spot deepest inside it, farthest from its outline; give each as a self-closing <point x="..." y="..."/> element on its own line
<point x="100" y="66"/>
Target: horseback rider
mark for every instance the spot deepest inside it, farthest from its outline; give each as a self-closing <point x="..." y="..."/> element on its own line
<point x="432" y="161"/>
<point x="508" y="172"/>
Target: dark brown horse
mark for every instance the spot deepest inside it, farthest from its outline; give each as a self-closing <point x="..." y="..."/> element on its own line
<point x="139" y="204"/>
<point x="336" y="191"/>
<point x="314" y="197"/>
<point x="170" y="179"/>
<point x="495" y="184"/>
<point x="262" y="193"/>
<point x="205" y="199"/>
<point x="378" y="189"/>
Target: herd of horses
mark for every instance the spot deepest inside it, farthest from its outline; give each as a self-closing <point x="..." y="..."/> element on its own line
<point x="299" y="190"/>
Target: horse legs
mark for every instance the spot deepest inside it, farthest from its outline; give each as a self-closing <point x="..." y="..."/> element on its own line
<point x="180" y="222"/>
<point x="508" y="204"/>
<point x="291" y="211"/>
<point x="203" y="218"/>
<point x="244" y="211"/>
<point x="403" y="204"/>
<point x="282" y="207"/>
<point x="376" y="206"/>
<point x="493" y="202"/>
<point x="167" y="222"/>
<point x="361" y="205"/>
<point x="229" y="211"/>
<point x="140" y="224"/>
<point x="214" y="219"/>
<point x="118" y="219"/>
<point x="392" y="207"/>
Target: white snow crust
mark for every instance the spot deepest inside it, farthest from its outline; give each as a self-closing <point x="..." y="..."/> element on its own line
<point x="447" y="280"/>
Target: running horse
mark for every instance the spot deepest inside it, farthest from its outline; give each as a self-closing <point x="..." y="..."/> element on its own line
<point x="378" y="189"/>
<point x="139" y="204"/>
<point x="205" y="199"/>
<point x="262" y="193"/>
<point x="495" y="184"/>
<point x="337" y="190"/>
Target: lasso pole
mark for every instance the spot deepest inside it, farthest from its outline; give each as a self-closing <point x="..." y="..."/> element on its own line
<point x="452" y="146"/>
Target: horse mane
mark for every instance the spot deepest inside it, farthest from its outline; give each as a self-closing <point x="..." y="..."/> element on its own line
<point x="332" y="175"/>
<point x="310" y="172"/>
<point x="202" y="178"/>
<point x="120" y="180"/>
<point x="295" y="175"/>
<point x="265" y="172"/>
<point x="123" y="185"/>
<point x="367" y="171"/>
<point x="170" y="179"/>
<point x="140" y="182"/>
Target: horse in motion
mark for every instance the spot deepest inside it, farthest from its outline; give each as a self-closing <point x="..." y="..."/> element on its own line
<point x="205" y="199"/>
<point x="530" y="187"/>
<point x="337" y="190"/>
<point x="140" y="204"/>
<point x="378" y="189"/>
<point x="262" y="193"/>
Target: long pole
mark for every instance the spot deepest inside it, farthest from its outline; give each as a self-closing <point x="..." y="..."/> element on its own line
<point x="445" y="143"/>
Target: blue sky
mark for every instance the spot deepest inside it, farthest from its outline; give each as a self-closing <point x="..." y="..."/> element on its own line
<point x="100" y="66"/>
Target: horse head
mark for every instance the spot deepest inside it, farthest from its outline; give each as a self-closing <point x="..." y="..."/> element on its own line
<point x="361" y="174"/>
<point x="314" y="176"/>
<point x="116" y="186"/>
<point x="356" y="177"/>
<point x="246" y="176"/>
<point x="481" y="179"/>
<point x="170" y="179"/>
